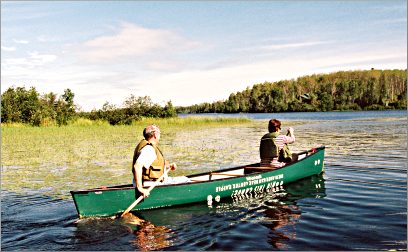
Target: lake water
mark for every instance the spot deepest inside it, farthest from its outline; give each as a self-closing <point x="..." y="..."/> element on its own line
<point x="359" y="203"/>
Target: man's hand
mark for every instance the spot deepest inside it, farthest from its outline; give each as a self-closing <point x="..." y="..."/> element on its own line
<point x="138" y="173"/>
<point x="290" y="130"/>
<point x="173" y="166"/>
<point x="145" y="192"/>
<point x="169" y="166"/>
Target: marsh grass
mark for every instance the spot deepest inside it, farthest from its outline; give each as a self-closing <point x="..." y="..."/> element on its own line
<point x="192" y="121"/>
<point x="87" y="154"/>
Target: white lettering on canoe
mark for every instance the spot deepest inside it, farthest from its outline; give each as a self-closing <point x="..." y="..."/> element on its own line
<point x="253" y="177"/>
<point x="257" y="182"/>
<point x="240" y="185"/>
<point x="223" y="188"/>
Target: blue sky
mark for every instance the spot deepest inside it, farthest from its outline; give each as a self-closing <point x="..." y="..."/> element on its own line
<point x="191" y="51"/>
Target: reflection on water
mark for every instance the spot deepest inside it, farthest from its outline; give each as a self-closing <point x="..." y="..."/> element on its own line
<point x="140" y="233"/>
<point x="173" y="228"/>
<point x="150" y="237"/>
<point x="200" y="227"/>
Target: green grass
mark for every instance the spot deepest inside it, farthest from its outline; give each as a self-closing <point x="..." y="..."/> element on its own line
<point x="174" y="121"/>
<point x="192" y="121"/>
<point x="86" y="122"/>
<point x="86" y="154"/>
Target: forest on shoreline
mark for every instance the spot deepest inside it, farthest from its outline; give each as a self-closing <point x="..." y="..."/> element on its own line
<point x="338" y="91"/>
<point x="341" y="91"/>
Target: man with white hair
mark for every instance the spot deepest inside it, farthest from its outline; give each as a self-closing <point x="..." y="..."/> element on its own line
<point x="148" y="162"/>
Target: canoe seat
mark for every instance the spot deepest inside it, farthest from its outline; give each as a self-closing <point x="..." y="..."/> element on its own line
<point x="218" y="175"/>
<point x="260" y="168"/>
<point x="253" y="169"/>
<point x="226" y="174"/>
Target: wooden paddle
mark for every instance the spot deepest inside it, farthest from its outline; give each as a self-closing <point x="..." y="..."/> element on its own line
<point x="141" y="197"/>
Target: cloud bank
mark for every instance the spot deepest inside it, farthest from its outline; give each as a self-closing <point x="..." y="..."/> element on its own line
<point x="133" y="41"/>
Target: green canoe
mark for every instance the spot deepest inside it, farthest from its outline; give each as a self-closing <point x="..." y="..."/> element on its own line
<point x="204" y="187"/>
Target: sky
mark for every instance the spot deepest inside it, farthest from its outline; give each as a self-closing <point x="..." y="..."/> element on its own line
<point x="190" y="52"/>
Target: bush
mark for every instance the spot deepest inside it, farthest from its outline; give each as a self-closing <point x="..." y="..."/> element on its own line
<point x="87" y="122"/>
<point x="374" y="107"/>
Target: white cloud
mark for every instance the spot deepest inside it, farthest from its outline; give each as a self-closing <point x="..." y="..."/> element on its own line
<point x="41" y="59"/>
<point x="12" y="66"/>
<point x="294" y="45"/>
<point x="134" y="41"/>
<point x="8" y="48"/>
<point x="20" y="41"/>
<point x="47" y="38"/>
<point x="165" y="66"/>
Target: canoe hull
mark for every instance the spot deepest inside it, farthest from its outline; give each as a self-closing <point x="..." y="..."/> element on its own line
<point x="115" y="200"/>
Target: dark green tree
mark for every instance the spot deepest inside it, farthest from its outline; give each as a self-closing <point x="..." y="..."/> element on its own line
<point x="65" y="108"/>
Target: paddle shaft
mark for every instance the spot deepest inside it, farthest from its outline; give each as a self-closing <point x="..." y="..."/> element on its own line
<point x="141" y="197"/>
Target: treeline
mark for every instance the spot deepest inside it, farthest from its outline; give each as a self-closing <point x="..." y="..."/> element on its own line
<point x="345" y="90"/>
<point x="19" y="105"/>
<point x="133" y="109"/>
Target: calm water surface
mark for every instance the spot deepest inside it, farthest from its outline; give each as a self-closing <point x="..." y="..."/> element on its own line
<point x="358" y="204"/>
